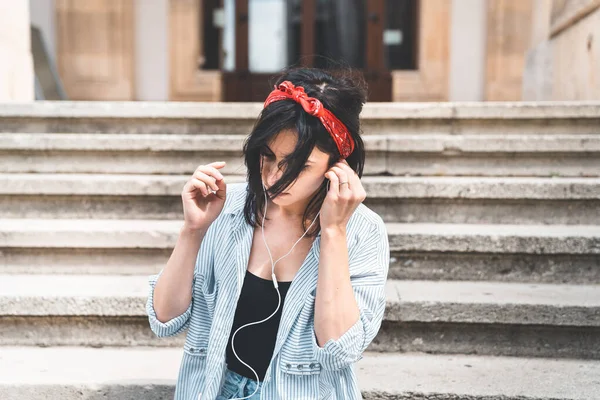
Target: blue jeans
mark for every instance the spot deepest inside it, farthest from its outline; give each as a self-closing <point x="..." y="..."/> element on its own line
<point x="236" y="385"/>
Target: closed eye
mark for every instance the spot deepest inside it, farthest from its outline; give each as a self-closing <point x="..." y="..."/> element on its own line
<point x="271" y="157"/>
<point x="266" y="153"/>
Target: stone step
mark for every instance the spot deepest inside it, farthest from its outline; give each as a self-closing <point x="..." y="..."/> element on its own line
<point x="542" y="320"/>
<point x="495" y="200"/>
<point x="68" y="373"/>
<point x="448" y="154"/>
<point x="238" y="118"/>
<point x="512" y="253"/>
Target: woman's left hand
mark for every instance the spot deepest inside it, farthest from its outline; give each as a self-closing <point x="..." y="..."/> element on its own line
<point x="341" y="199"/>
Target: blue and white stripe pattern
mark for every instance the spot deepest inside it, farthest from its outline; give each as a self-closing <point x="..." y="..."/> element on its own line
<point x="299" y="368"/>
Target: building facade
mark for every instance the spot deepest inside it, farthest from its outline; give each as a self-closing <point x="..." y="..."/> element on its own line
<point x="408" y="50"/>
<point x="563" y="62"/>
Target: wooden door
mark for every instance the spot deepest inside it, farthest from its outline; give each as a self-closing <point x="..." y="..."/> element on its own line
<point x="368" y="54"/>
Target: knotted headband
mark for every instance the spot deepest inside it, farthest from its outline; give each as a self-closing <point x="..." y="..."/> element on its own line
<point x="313" y="106"/>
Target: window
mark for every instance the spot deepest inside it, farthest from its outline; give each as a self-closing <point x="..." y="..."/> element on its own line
<point x="211" y="24"/>
<point x="400" y="34"/>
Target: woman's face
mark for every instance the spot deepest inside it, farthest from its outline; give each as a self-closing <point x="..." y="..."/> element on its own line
<point x="307" y="183"/>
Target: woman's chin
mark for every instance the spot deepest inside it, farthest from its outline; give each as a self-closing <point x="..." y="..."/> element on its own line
<point x="282" y="198"/>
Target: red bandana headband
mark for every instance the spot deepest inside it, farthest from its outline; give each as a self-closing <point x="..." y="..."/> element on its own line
<point x="313" y="106"/>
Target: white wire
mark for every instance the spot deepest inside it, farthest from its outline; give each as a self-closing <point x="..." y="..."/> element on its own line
<point x="274" y="284"/>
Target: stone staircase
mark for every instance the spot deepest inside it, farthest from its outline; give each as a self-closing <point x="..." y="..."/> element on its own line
<point x="492" y="211"/>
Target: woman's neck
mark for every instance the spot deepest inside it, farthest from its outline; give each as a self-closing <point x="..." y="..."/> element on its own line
<point x="292" y="212"/>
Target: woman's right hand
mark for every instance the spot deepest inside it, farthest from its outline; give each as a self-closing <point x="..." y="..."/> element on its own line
<point x="200" y="205"/>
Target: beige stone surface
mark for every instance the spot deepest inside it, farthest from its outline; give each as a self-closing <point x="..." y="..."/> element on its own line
<point x="576" y="60"/>
<point x="31" y="373"/>
<point x="508" y="37"/>
<point x="232" y="144"/>
<point x="162" y="234"/>
<point x="566" y="13"/>
<point x="417" y="301"/>
<point x="565" y="64"/>
<point x="96" y="63"/>
<point x="540" y="25"/>
<point x="16" y="65"/>
<point x="237" y="112"/>
<point x="380" y="187"/>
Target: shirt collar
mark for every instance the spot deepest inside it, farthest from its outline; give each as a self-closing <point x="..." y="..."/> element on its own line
<point x="236" y="205"/>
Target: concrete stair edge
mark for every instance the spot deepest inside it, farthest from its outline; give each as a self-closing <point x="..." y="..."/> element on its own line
<point x="391" y="187"/>
<point x="371" y="110"/>
<point x="428" y="237"/>
<point x="407" y="301"/>
<point x="35" y="372"/>
<point x="232" y="143"/>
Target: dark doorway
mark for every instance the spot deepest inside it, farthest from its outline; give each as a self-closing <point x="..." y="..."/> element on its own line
<point x="373" y="36"/>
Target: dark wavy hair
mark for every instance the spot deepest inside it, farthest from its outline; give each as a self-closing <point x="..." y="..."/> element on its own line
<point x="343" y="91"/>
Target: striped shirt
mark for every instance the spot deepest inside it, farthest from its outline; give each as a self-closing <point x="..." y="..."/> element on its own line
<point x="299" y="367"/>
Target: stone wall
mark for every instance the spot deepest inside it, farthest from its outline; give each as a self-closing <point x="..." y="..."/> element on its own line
<point x="564" y="60"/>
<point x="16" y="63"/>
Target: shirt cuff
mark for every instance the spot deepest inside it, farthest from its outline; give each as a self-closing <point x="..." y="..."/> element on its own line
<point x="343" y="351"/>
<point x="171" y="327"/>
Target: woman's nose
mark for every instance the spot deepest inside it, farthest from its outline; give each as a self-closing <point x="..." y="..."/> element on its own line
<point x="273" y="176"/>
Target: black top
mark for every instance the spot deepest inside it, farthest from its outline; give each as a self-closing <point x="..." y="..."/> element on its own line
<point x="254" y="344"/>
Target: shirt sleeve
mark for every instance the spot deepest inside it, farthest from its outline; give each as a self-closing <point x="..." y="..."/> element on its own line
<point x="369" y="292"/>
<point x="175" y="325"/>
<point x="178" y="324"/>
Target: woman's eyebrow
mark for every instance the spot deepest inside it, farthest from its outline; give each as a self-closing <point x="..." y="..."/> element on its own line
<point x="271" y="151"/>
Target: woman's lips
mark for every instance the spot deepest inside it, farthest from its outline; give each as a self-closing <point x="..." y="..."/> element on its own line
<point x="279" y="193"/>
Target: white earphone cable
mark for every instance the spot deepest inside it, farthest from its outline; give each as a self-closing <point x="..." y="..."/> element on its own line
<point x="274" y="284"/>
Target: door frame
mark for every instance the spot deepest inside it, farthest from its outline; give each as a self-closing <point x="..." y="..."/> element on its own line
<point x="431" y="79"/>
<point x="428" y="83"/>
<point x="243" y="85"/>
<point x="187" y="82"/>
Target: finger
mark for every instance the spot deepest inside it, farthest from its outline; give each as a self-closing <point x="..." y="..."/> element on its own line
<point x="344" y="164"/>
<point x="217" y="164"/>
<point x="345" y="188"/>
<point x="334" y="186"/>
<point x="199" y="185"/>
<point x="212" y="171"/>
<point x="210" y="181"/>
<point x="222" y="192"/>
<point x="214" y="167"/>
<point x="352" y="175"/>
<point x="343" y="177"/>
<point x="356" y="185"/>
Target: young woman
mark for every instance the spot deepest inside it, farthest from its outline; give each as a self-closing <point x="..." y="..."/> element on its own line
<point x="279" y="280"/>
